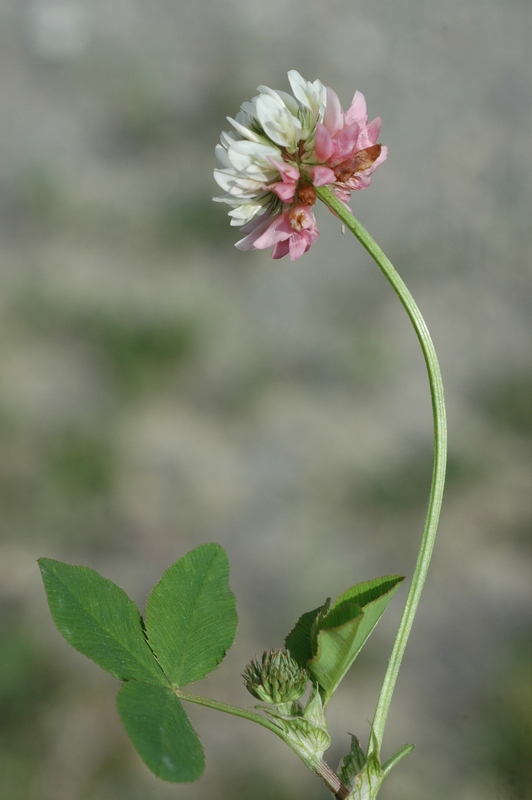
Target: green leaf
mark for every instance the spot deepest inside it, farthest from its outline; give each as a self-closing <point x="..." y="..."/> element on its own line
<point x="342" y="632"/>
<point x="327" y="640"/>
<point x="369" y="591"/>
<point x="339" y="614"/>
<point x="191" y="616"/>
<point x="161" y="732"/>
<point x="366" y="785"/>
<point x="351" y="764"/>
<point x="396" y="758"/>
<point x="98" y="618"/>
<point x="299" y="641"/>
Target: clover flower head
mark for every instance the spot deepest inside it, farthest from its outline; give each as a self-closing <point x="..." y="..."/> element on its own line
<point x="276" y="678"/>
<point x="281" y="148"/>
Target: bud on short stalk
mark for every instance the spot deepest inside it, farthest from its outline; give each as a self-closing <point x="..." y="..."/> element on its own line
<point x="276" y="679"/>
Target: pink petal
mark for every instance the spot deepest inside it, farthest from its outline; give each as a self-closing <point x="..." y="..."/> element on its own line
<point x="285" y="191"/>
<point x="372" y="132"/>
<point x="322" y="175"/>
<point x="383" y="156"/>
<point x="292" y="233"/>
<point x="288" y="172"/>
<point x="334" y="116"/>
<point x="298" y="246"/>
<point x="323" y="147"/>
<point x="342" y="193"/>
<point x="254" y="230"/>
<point x="346" y="143"/>
<point x="301" y="218"/>
<point x="357" y="111"/>
<point x="281" y="249"/>
<point x="286" y="188"/>
<point x="279" y="230"/>
<point x="360" y="181"/>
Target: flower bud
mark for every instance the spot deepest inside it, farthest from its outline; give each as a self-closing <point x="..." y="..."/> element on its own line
<point x="276" y="679"/>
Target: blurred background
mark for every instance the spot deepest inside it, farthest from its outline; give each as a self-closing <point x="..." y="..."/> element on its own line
<point x="160" y="389"/>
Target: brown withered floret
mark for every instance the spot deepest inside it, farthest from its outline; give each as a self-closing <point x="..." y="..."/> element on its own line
<point x="359" y="162"/>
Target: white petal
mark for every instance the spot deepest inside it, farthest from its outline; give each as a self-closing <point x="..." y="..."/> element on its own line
<point x="248" y="110"/>
<point x="245" y="131"/>
<point x="245" y="213"/>
<point x="285" y="98"/>
<point x="278" y="122"/>
<point x="227" y="138"/>
<point x="237" y="185"/>
<point x="251" y="161"/>
<point x="222" y="159"/>
<point x="310" y="95"/>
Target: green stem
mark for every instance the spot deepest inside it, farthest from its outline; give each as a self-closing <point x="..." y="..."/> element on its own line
<point x="440" y="459"/>
<point x="228" y="709"/>
<point x="321" y="769"/>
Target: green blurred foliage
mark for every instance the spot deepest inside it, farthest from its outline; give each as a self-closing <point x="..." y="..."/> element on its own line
<point x="506" y="737"/>
<point x="406" y="486"/>
<point x="29" y="686"/>
<point x="79" y="466"/>
<point x="508" y="404"/>
<point x="135" y="350"/>
<point x="179" y="219"/>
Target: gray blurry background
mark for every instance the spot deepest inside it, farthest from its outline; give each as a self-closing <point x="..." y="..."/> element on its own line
<point x="160" y="389"/>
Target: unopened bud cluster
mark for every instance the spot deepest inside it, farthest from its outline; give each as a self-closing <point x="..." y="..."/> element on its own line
<point x="276" y="678"/>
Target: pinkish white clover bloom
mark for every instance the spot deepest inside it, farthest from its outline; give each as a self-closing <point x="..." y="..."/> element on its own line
<point x="283" y="147"/>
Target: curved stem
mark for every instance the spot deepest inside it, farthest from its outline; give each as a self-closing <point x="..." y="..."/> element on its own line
<point x="330" y="779"/>
<point x="440" y="458"/>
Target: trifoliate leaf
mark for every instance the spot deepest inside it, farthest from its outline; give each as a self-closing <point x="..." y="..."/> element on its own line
<point x="191" y="616"/>
<point x="97" y="618"/>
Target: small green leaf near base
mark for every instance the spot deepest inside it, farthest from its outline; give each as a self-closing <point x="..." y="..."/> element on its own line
<point x="327" y="640"/>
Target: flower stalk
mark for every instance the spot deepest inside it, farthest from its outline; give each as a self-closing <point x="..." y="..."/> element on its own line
<point x="440" y="457"/>
<point x="286" y="152"/>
